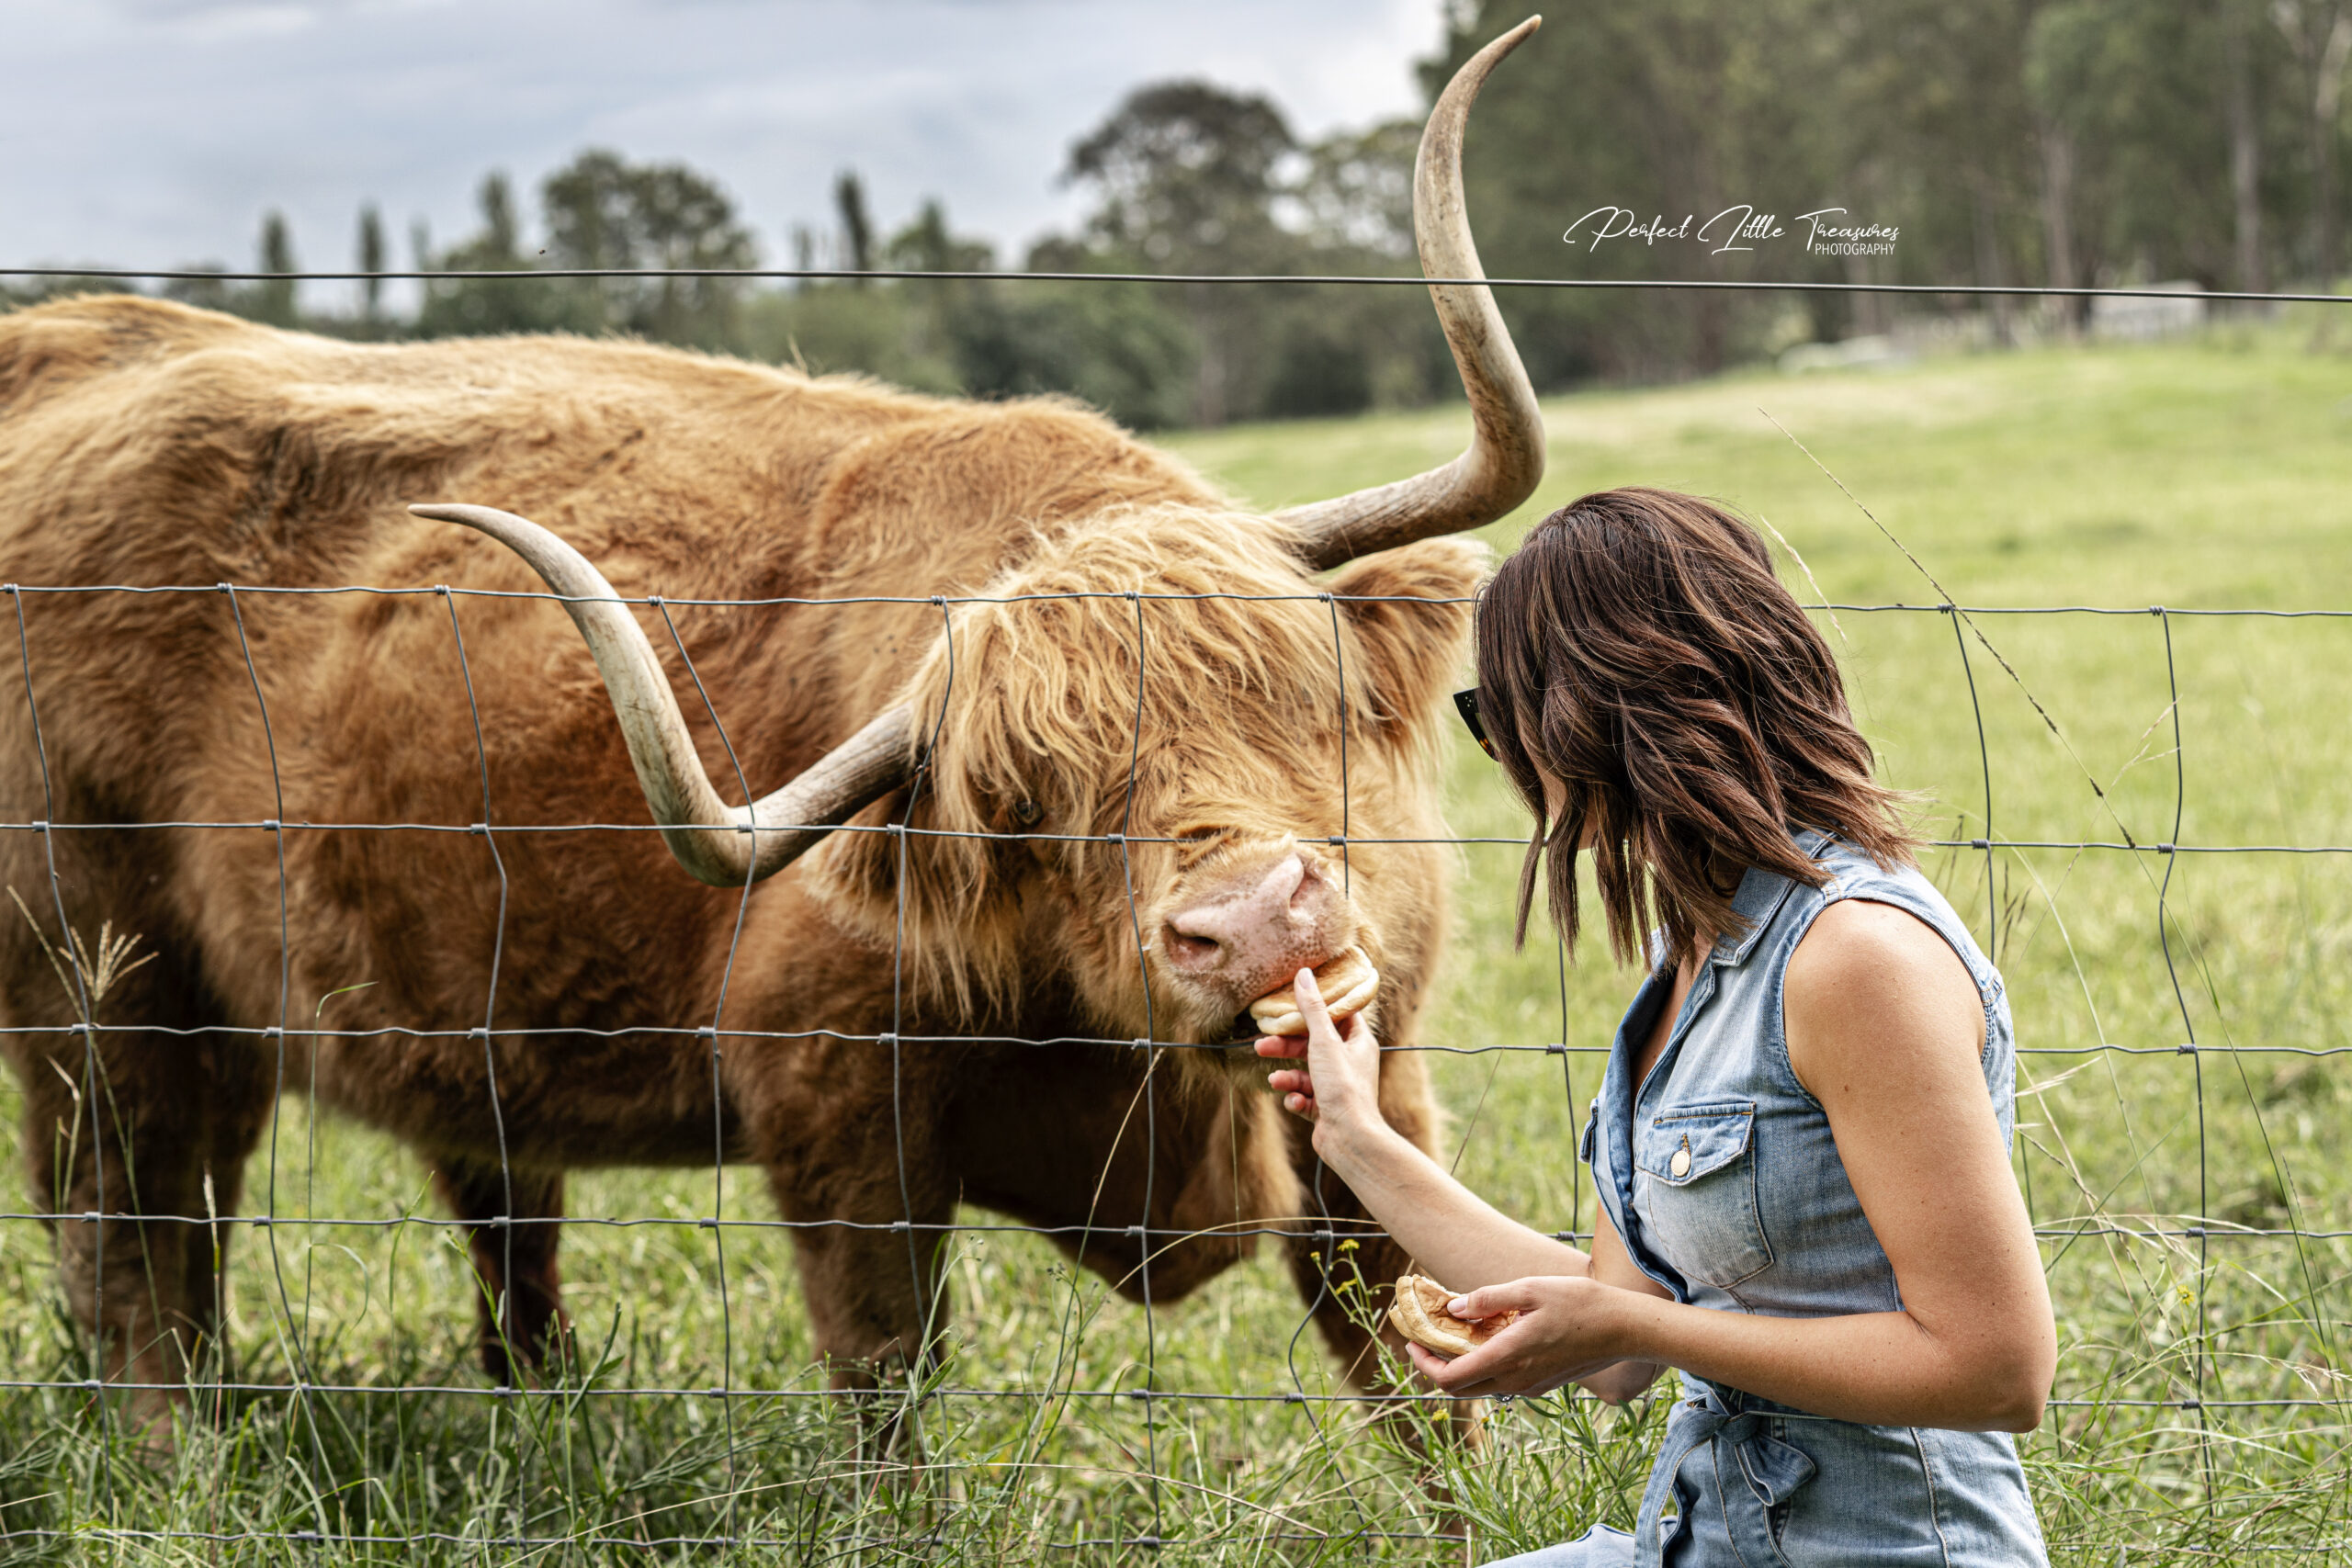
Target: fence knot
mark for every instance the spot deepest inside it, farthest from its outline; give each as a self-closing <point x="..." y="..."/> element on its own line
<point x="2185" y="1049"/>
<point x="1980" y="843"/>
<point x="441" y="590"/>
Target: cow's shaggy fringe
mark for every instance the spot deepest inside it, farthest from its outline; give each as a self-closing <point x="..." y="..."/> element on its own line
<point x="1258" y="655"/>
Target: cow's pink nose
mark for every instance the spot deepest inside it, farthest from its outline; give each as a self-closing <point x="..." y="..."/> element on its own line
<point x="1281" y="923"/>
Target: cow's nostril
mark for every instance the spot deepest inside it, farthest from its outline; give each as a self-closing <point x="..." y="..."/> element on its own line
<point x="1189" y="952"/>
<point x="1311" y="891"/>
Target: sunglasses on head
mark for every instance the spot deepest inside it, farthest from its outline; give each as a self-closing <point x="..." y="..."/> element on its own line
<point x="1466" y="704"/>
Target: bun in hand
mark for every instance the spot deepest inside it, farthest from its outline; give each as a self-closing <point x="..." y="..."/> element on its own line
<point x="1420" y="1316"/>
<point x="1347" y="984"/>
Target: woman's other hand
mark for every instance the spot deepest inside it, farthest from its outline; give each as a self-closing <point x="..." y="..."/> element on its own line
<point x="1338" y="1088"/>
<point x="1568" y="1331"/>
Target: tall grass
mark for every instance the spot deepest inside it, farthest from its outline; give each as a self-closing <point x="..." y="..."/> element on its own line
<point x="2210" y="474"/>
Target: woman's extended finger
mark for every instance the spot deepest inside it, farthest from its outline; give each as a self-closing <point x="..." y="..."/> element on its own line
<point x="1279" y="1047"/>
<point x="1493" y="1301"/>
<point x="1310" y="1005"/>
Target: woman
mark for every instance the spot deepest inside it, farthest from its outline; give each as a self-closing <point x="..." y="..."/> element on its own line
<point x="1801" y="1142"/>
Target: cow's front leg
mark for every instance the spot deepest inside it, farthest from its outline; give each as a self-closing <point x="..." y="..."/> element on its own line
<point x="875" y="1287"/>
<point x="518" y="1297"/>
<point x="135" y="1151"/>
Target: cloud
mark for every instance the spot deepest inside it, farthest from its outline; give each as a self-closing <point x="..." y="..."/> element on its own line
<point x="167" y="126"/>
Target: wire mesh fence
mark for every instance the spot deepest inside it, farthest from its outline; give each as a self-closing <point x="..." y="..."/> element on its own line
<point x="2243" y="1308"/>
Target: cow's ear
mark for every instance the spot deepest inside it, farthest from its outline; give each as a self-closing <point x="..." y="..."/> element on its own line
<point x="1411" y="609"/>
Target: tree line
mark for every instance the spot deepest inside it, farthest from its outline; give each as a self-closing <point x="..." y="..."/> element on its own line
<point x="2065" y="142"/>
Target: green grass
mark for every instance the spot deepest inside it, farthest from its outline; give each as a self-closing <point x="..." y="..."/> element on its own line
<point x="2211" y="474"/>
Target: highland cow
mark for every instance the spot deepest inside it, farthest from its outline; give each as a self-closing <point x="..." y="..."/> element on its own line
<point x="1136" y="764"/>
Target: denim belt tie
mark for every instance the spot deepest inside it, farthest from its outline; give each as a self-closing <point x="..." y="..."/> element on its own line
<point x="1770" y="1471"/>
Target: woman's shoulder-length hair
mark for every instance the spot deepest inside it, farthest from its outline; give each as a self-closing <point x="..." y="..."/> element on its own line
<point x="1638" y="644"/>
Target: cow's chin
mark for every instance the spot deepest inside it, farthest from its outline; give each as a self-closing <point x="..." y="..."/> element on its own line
<point x="1194" y="1015"/>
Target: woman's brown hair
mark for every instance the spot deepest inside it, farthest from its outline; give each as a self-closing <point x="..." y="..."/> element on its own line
<point x="1638" y="644"/>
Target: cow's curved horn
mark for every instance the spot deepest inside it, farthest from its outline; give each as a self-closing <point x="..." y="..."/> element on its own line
<point x="1506" y="455"/>
<point x="721" y="844"/>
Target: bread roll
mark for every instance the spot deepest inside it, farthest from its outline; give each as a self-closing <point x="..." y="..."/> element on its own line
<point x="1347" y="984"/>
<point x="1420" y="1316"/>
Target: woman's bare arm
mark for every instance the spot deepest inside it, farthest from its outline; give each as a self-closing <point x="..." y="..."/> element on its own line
<point x="1451" y="1233"/>
<point x="1884" y="1029"/>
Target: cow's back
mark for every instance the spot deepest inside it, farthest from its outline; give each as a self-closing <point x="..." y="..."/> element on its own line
<point x="151" y="446"/>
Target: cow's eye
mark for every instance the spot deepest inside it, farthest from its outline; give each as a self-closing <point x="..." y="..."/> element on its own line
<point x="1028" y="813"/>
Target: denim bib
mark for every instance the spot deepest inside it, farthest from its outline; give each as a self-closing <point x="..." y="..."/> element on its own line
<point x="1720" y="1172"/>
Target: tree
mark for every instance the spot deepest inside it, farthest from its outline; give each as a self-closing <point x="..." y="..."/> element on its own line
<point x="2320" y="34"/>
<point x="857" y="228"/>
<point x="473" y="306"/>
<point x="1357" y="192"/>
<point x="371" y="261"/>
<point x="602" y="212"/>
<point x="2246" y="146"/>
<point x="273" y="301"/>
<point x="1186" y="176"/>
<point x="1697" y="108"/>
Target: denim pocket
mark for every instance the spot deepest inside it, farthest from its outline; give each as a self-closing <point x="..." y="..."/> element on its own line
<point x="1696" y="1191"/>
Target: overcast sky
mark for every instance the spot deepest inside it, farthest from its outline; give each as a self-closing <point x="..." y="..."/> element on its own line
<point x="155" y="133"/>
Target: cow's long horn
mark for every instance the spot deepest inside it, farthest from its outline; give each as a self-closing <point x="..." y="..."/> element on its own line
<point x="1505" y="459"/>
<point x="721" y="844"/>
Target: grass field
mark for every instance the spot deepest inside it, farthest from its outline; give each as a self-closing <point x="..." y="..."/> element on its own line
<point x="2200" y="1408"/>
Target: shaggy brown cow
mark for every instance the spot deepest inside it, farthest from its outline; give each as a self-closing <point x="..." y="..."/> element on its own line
<point x="539" y="987"/>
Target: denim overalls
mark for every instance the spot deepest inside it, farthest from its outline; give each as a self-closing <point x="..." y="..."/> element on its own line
<point x="1721" y="1175"/>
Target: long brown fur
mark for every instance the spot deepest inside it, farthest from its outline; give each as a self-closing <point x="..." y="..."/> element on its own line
<point x="144" y="443"/>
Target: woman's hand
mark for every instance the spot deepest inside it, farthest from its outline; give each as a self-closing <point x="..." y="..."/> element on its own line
<point x="1338" y="1088"/>
<point x="1570" y="1330"/>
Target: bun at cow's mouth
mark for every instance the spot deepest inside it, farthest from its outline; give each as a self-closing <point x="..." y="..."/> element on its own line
<point x="1420" y="1316"/>
<point x="1347" y="984"/>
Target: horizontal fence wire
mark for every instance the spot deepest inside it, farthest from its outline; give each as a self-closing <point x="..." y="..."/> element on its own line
<point x="718" y="1030"/>
<point x="1357" y="279"/>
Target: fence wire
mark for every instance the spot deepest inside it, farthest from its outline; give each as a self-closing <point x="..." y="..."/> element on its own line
<point x="717" y="1031"/>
